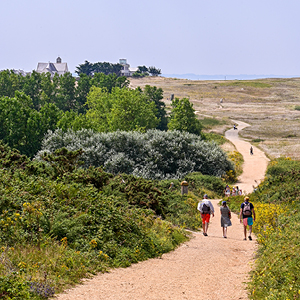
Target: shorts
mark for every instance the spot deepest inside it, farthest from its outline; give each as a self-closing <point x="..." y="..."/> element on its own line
<point x="248" y="221"/>
<point x="205" y="218"/>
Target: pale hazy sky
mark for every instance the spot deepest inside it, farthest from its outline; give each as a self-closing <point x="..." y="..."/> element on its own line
<point x="188" y="36"/>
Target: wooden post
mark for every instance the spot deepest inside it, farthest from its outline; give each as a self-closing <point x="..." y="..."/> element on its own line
<point x="184" y="187"/>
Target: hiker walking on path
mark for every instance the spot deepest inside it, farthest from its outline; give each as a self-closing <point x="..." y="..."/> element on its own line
<point x="251" y="150"/>
<point x="206" y="209"/>
<point x="225" y="218"/>
<point x="248" y="215"/>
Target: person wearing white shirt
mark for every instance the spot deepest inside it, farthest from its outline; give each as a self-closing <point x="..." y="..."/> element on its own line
<point x="206" y="209"/>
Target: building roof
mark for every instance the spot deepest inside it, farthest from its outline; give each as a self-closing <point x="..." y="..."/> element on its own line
<point x="53" y="68"/>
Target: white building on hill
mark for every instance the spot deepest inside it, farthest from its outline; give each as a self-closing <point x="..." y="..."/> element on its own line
<point x="126" y="71"/>
<point x="53" y="68"/>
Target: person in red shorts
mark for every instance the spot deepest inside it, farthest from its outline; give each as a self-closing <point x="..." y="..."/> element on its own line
<point x="206" y="209"/>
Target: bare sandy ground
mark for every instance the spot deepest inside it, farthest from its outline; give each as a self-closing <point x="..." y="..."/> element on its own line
<point x="204" y="268"/>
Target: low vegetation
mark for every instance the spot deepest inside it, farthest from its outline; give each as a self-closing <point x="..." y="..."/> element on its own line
<point x="244" y="83"/>
<point x="60" y="223"/>
<point x="276" y="272"/>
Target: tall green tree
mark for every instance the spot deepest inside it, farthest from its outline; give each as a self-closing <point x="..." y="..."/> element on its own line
<point x="107" y="68"/>
<point x="48" y="89"/>
<point x="142" y="69"/>
<point x="183" y="117"/>
<point x="38" y="123"/>
<point x="109" y="81"/>
<point x="85" y="68"/>
<point x="83" y="87"/>
<point x="74" y="121"/>
<point x="23" y="127"/>
<point x="155" y="94"/>
<point x="66" y="99"/>
<point x="154" y="71"/>
<point x="122" y="109"/>
<point x="14" y="113"/>
<point x="9" y="83"/>
<point x="32" y="88"/>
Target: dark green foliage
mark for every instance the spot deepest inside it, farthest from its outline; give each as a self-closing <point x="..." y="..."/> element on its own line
<point x="83" y="88"/>
<point x="183" y="117"/>
<point x="138" y="191"/>
<point x="109" y="81"/>
<point x="23" y="127"/>
<point x="209" y="182"/>
<point x="86" y="68"/>
<point x="154" y="71"/>
<point x="155" y="94"/>
<point x="282" y="183"/>
<point x="63" y="161"/>
<point x="58" y="229"/>
<point x="94" y="176"/>
<point x="32" y="87"/>
<point x="11" y="158"/>
<point x="99" y="67"/>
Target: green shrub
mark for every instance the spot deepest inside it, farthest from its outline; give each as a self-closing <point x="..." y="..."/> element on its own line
<point x="211" y="183"/>
<point x="257" y="140"/>
<point x="152" y="155"/>
<point x="276" y="273"/>
<point x="60" y="223"/>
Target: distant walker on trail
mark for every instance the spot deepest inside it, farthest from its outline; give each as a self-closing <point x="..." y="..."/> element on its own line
<point x="251" y="150"/>
<point x="248" y="215"/>
<point x="206" y="209"/>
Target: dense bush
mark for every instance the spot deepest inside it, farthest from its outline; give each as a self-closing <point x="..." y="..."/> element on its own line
<point x="201" y="182"/>
<point x="153" y="155"/>
<point x="60" y="223"/>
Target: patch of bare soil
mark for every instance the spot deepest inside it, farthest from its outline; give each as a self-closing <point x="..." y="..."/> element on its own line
<point x="205" y="268"/>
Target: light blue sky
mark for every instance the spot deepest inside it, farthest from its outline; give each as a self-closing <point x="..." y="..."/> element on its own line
<point x="191" y="36"/>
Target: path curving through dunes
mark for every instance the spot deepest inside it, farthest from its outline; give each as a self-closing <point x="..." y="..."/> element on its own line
<point x="255" y="165"/>
<point x="207" y="268"/>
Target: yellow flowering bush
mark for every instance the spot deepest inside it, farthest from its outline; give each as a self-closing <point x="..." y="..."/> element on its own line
<point x="266" y="221"/>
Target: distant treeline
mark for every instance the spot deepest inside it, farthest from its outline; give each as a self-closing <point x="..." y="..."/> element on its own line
<point x="107" y="68"/>
<point x="33" y="104"/>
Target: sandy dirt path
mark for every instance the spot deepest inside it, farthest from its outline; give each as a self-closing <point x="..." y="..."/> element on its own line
<point x="255" y="165"/>
<point x="205" y="268"/>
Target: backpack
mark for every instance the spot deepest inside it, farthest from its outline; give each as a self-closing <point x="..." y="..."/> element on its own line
<point x="247" y="209"/>
<point x="205" y="209"/>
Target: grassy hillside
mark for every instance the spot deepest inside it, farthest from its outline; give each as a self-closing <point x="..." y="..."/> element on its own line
<point x="276" y="273"/>
<point x="59" y="223"/>
<point x="269" y="105"/>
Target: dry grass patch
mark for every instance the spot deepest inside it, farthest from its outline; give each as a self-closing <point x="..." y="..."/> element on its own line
<point x="267" y="104"/>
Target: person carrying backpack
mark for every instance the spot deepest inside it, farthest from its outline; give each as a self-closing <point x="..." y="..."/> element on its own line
<point x="206" y="209"/>
<point x="248" y="214"/>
